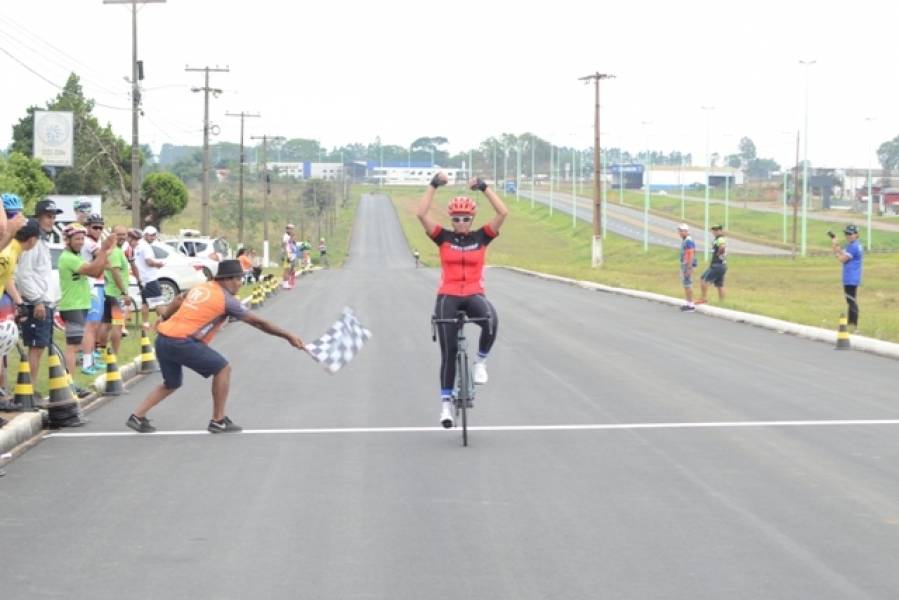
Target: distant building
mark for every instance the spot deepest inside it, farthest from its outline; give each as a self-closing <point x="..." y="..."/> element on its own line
<point x="669" y="177"/>
<point x="308" y="169"/>
<point x="416" y="173"/>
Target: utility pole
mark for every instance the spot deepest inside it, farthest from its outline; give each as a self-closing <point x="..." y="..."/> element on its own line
<point x="136" y="76"/>
<point x="597" y="170"/>
<point x="204" y="214"/>
<point x="266" y="190"/>
<point x="243" y="115"/>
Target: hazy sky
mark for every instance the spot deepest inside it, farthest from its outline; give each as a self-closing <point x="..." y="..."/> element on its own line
<point x="349" y="71"/>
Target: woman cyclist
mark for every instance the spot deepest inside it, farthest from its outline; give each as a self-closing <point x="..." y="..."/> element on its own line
<point x="462" y="253"/>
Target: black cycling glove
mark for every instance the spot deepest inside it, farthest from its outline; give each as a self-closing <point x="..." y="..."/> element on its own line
<point x="436" y="182"/>
<point x="480" y="185"/>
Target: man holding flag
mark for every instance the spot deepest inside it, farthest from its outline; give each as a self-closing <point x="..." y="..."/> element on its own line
<point x="187" y="327"/>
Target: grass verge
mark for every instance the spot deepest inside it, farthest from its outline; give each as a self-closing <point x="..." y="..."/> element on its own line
<point x="803" y="291"/>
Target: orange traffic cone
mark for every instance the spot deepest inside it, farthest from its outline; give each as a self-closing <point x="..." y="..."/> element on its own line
<point x="63" y="408"/>
<point x="148" y="362"/>
<point x="114" y="386"/>
<point x="843" y="335"/>
<point x="24" y="391"/>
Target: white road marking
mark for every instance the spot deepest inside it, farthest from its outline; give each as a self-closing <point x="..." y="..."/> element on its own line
<point x="584" y="427"/>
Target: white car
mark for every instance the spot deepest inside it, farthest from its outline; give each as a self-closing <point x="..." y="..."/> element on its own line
<point x="179" y="273"/>
<point x="201" y="250"/>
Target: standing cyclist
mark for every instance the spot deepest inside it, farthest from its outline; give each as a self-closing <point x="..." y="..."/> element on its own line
<point x="462" y="253"/>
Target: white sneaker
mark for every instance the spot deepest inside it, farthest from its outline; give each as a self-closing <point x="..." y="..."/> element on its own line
<point x="479" y="372"/>
<point x="446" y="415"/>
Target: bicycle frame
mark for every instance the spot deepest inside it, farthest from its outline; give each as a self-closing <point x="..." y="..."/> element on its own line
<point x="463" y="394"/>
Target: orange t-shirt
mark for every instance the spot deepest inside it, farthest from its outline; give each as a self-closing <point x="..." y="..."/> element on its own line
<point x="202" y="313"/>
<point x="245" y="262"/>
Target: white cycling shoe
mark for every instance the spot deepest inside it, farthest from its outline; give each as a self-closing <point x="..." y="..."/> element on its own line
<point x="446" y="415"/>
<point x="479" y="373"/>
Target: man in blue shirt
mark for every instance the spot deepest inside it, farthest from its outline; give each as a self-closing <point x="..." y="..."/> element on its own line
<point x="851" y="256"/>
<point x="687" y="264"/>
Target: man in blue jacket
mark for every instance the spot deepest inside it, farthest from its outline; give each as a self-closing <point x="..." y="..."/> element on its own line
<point x="851" y="256"/>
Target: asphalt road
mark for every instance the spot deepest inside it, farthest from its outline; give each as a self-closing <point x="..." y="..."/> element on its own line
<point x="628" y="222"/>
<point x="640" y="502"/>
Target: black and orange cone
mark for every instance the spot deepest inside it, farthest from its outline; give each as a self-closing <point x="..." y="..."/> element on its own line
<point x="24" y="391"/>
<point x="62" y="407"/>
<point x="114" y="386"/>
<point x="843" y="335"/>
<point x="148" y="362"/>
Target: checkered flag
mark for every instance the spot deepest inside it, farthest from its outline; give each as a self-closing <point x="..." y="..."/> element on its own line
<point x="341" y="343"/>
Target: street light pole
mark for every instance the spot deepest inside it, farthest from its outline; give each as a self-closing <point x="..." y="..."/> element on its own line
<point x="136" y="76"/>
<point x="804" y="244"/>
<point x="647" y="169"/>
<point x="870" y="195"/>
<point x="551" y="182"/>
<point x="708" y="160"/>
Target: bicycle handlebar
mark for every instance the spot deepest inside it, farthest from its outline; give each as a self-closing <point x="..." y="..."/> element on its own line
<point x="461" y="319"/>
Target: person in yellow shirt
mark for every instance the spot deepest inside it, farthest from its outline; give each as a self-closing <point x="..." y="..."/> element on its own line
<point x="25" y="239"/>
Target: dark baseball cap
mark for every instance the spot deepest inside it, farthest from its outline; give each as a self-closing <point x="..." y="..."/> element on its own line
<point x="46" y="206"/>
<point x="718" y="227"/>
<point x="29" y="230"/>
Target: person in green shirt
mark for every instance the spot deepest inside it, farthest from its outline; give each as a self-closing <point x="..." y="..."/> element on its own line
<point x="75" y="286"/>
<point x="116" y="292"/>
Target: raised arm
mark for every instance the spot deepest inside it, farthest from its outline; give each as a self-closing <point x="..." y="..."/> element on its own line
<point x="495" y="201"/>
<point x="424" y="205"/>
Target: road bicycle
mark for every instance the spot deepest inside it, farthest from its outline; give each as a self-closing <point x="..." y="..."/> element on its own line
<point x="463" y="393"/>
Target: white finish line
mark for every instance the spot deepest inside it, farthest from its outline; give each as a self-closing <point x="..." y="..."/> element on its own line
<point x="588" y="427"/>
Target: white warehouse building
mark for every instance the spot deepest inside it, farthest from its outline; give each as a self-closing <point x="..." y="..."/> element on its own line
<point x="670" y="177"/>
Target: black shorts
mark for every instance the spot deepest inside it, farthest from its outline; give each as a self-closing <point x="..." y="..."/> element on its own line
<point x="112" y="311"/>
<point x="715" y="275"/>
<point x="74" y="320"/>
<point x="173" y="354"/>
<point x="37" y="333"/>
<point x="151" y="294"/>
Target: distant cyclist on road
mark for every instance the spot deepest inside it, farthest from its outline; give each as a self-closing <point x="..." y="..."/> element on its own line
<point x="462" y="254"/>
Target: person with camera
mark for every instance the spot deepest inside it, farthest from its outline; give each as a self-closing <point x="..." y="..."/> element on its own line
<point x="851" y="256"/>
<point x="462" y="255"/>
<point x="717" y="267"/>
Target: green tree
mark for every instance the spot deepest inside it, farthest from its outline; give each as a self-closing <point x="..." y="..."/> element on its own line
<point x="22" y="175"/>
<point x="162" y="195"/>
<point x="102" y="161"/>
<point x="747" y="149"/>
<point x="888" y="154"/>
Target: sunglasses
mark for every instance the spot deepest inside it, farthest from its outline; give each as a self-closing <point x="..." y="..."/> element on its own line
<point x="97" y="228"/>
<point x="462" y="219"/>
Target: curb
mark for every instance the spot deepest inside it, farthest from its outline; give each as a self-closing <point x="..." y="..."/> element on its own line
<point x="858" y="342"/>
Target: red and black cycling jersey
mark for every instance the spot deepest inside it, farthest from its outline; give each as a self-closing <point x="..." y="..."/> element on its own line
<point x="462" y="259"/>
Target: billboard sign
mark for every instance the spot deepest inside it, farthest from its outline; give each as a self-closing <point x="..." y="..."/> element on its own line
<point x="53" y="137"/>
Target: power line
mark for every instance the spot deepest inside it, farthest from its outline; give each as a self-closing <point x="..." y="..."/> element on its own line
<point x="18" y="42"/>
<point x="57" y="86"/>
<point x="66" y="54"/>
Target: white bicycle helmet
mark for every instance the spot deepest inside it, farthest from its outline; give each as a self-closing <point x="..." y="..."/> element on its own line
<point x="9" y="335"/>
